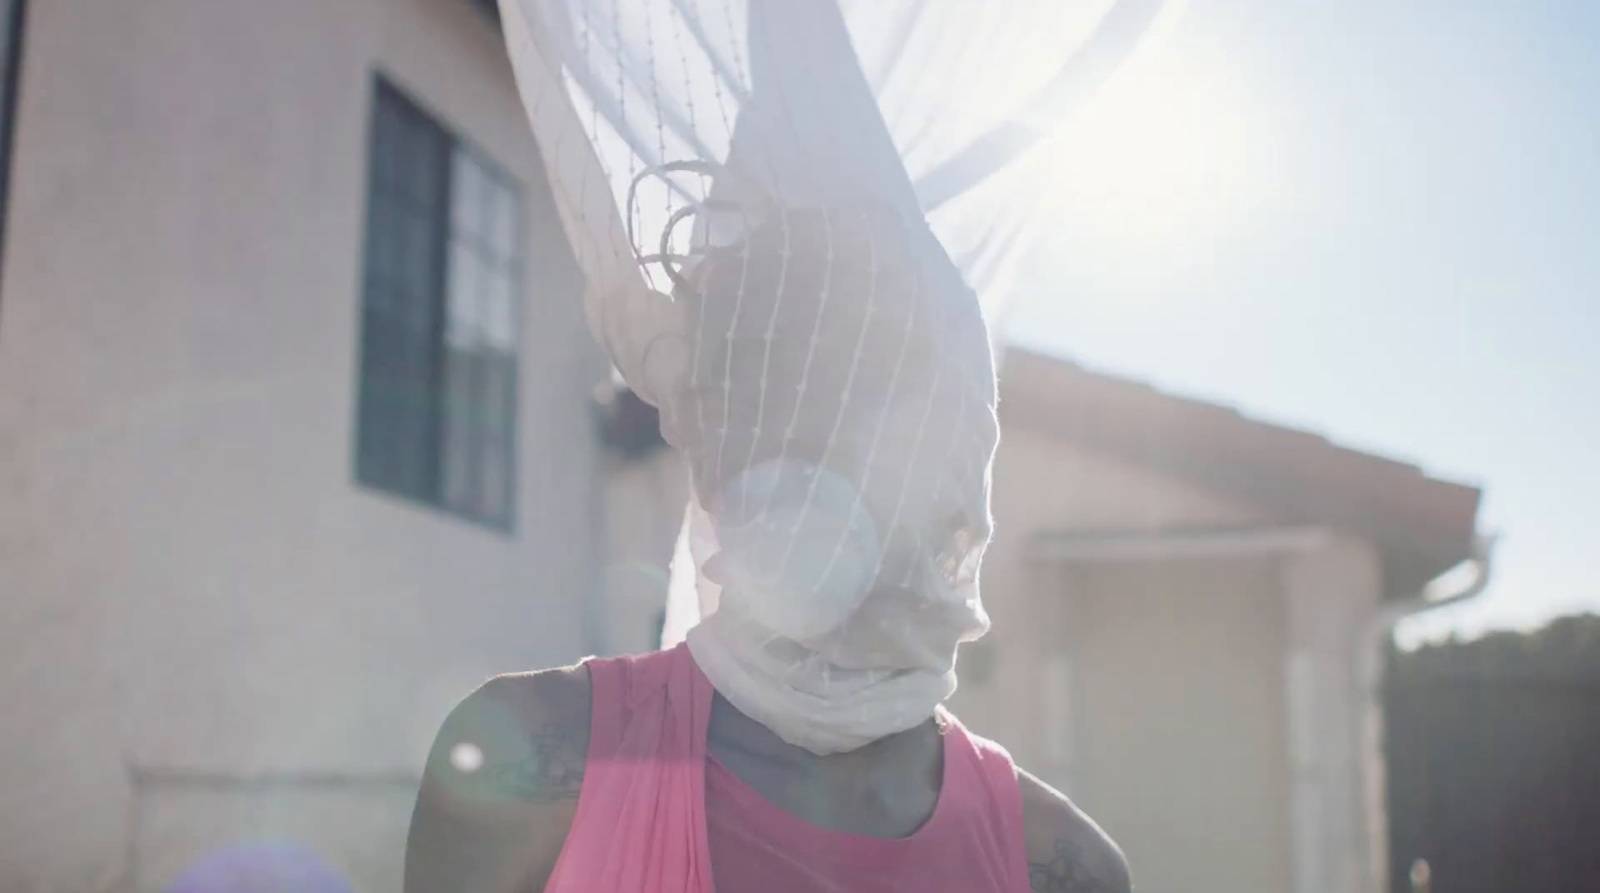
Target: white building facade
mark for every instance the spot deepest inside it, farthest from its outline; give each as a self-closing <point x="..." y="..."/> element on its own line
<point x="296" y="428"/>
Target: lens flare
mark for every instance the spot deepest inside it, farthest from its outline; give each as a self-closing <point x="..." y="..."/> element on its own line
<point x="466" y="757"/>
<point x="260" y="868"/>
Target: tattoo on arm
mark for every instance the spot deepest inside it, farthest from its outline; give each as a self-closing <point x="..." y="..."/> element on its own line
<point x="549" y="771"/>
<point x="1064" y="872"/>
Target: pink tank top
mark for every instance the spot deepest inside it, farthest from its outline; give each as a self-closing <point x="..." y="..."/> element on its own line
<point x="654" y="808"/>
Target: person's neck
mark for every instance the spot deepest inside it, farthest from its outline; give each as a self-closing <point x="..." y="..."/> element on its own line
<point x="886" y="789"/>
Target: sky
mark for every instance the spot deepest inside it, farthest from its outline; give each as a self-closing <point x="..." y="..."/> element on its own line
<point x="1379" y="221"/>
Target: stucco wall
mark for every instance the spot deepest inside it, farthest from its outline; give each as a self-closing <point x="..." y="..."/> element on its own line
<point x="1046" y="484"/>
<point x="189" y="578"/>
<point x="1333" y="593"/>
<point x="1274" y="641"/>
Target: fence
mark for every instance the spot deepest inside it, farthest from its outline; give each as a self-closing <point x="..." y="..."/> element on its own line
<point x="1494" y="762"/>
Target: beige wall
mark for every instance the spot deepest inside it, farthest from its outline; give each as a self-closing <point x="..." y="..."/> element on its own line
<point x="1047" y="485"/>
<point x="189" y="579"/>
<point x="1152" y="690"/>
<point x="1180" y="746"/>
<point x="1333" y="592"/>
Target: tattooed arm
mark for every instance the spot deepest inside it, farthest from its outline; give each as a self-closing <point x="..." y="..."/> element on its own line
<point x="1067" y="851"/>
<point x="501" y="786"/>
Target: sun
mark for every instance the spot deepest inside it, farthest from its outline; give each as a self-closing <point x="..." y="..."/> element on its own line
<point x="1159" y="156"/>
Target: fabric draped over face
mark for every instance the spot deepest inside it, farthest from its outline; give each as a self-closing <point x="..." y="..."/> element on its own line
<point x="817" y="358"/>
<point x="838" y="419"/>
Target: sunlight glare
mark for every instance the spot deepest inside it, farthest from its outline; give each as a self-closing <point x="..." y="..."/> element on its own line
<point x="1155" y="160"/>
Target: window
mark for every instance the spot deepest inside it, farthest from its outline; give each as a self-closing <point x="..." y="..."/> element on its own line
<point x="11" y="18"/>
<point x="436" y="420"/>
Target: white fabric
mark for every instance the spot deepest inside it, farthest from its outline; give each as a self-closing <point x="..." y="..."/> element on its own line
<point x="805" y="700"/>
<point x="841" y="472"/>
<point x="769" y="167"/>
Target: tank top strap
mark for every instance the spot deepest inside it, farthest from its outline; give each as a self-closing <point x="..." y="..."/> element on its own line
<point x="993" y="770"/>
<point x="623" y="687"/>
<point x="640" y="820"/>
<point x="608" y="677"/>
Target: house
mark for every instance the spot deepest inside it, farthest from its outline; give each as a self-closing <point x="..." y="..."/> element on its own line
<point x="298" y="443"/>
<point x="296" y="428"/>
<point x="1188" y="607"/>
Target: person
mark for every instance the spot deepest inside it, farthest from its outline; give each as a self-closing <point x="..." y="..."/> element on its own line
<point x="501" y="828"/>
<point x="796" y="742"/>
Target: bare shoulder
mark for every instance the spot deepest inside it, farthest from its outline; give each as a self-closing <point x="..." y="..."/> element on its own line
<point x="1067" y="851"/>
<point x="520" y="736"/>
<point x="501" y="785"/>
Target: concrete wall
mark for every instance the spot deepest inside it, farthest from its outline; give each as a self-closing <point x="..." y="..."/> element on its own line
<point x="189" y="579"/>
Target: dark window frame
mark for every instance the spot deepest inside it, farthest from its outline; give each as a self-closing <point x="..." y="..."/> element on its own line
<point x="490" y="10"/>
<point x="9" y="90"/>
<point x="419" y="391"/>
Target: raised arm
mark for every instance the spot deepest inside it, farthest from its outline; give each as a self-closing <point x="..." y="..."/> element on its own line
<point x="501" y="786"/>
<point x="1067" y="851"/>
